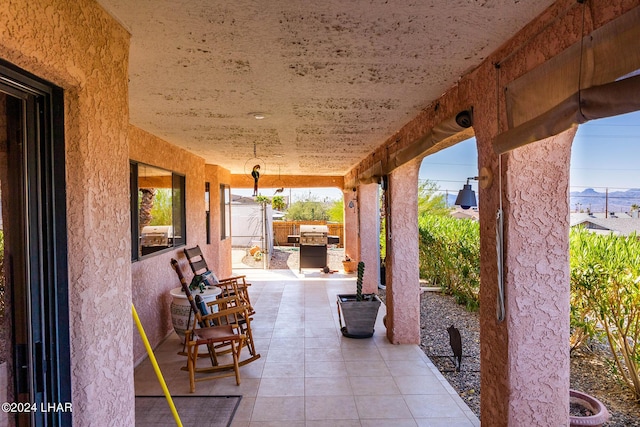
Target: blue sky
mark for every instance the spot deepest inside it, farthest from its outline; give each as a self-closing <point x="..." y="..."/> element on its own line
<point x="605" y="154"/>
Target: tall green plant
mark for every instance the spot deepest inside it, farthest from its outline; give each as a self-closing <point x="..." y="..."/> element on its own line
<point x="336" y="211"/>
<point x="359" y="296"/>
<point x="605" y="278"/>
<point x="429" y="202"/>
<point x="161" y="212"/>
<point x="449" y="251"/>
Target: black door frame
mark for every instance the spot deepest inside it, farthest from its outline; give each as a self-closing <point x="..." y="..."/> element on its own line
<point x="48" y="357"/>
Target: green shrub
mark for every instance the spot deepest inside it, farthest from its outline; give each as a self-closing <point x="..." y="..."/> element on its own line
<point x="450" y="256"/>
<point x="605" y="287"/>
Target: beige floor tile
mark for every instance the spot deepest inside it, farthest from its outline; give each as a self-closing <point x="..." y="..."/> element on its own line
<point x="322" y="354"/>
<point x="409" y="422"/>
<point x="382" y="407"/>
<point x="330" y="408"/>
<point x="333" y="423"/>
<point x="327" y="386"/>
<point x="310" y="375"/>
<point x="366" y="368"/>
<point x="332" y="368"/>
<point x="283" y="370"/>
<point x="433" y="406"/>
<point x="408" y="367"/>
<point x="323" y="343"/>
<point x="444" y="422"/>
<point x="278" y="409"/>
<point x="422" y="384"/>
<point x="371" y="386"/>
<point x="361" y="354"/>
<point x="282" y="387"/>
<point x="279" y="354"/>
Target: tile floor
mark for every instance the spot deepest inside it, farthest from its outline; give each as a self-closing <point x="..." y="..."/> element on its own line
<point x="309" y="374"/>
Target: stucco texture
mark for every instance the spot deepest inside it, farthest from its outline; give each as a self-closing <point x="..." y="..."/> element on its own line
<point x="79" y="47"/>
<point x="351" y="233"/>
<point x="403" y="278"/>
<point x="537" y="274"/>
<point x="369" y="226"/>
<point x="218" y="252"/>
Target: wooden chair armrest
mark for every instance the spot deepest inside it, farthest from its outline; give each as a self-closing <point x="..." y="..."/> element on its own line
<point x="225" y="312"/>
<point x="237" y="279"/>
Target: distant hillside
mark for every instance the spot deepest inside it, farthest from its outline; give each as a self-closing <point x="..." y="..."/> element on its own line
<point x="619" y="201"/>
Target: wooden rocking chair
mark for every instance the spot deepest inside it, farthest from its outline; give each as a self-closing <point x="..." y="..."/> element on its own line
<point x="215" y="330"/>
<point x="228" y="285"/>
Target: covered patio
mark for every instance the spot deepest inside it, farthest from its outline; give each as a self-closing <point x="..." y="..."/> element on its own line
<point x="350" y="95"/>
<point x="309" y="374"/>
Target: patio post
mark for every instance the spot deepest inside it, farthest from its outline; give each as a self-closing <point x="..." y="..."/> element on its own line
<point x="351" y="234"/>
<point x="369" y="217"/>
<point x="525" y="357"/>
<point x="402" y="278"/>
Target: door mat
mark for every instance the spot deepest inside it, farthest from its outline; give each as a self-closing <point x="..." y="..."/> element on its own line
<point x="200" y="411"/>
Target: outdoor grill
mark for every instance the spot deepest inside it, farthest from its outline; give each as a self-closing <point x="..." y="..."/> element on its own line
<point x="155" y="237"/>
<point x="313" y="246"/>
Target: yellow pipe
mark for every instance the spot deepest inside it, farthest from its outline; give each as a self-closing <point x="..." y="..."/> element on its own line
<point x="176" y="417"/>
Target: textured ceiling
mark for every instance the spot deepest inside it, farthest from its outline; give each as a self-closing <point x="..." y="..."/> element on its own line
<point x="334" y="79"/>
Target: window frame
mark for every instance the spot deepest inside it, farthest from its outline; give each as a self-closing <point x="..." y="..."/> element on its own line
<point x="178" y="210"/>
<point x="225" y="211"/>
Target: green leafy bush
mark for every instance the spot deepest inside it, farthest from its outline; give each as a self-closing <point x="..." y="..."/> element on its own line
<point x="450" y="256"/>
<point x="605" y="287"/>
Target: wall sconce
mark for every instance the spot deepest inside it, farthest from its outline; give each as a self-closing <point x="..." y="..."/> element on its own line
<point x="352" y="201"/>
<point x="467" y="197"/>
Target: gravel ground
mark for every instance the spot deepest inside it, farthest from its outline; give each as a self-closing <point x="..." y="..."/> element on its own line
<point x="590" y="371"/>
<point x="589" y="368"/>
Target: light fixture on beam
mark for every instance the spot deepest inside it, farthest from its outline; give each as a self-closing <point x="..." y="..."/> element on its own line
<point x="467" y="197"/>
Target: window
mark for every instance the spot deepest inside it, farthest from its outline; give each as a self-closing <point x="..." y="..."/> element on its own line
<point x="157" y="210"/>
<point x="207" y="210"/>
<point x="225" y="211"/>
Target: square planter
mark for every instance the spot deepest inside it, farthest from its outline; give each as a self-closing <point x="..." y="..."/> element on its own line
<point x="359" y="316"/>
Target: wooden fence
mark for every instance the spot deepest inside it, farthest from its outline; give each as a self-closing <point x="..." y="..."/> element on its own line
<point x="282" y="229"/>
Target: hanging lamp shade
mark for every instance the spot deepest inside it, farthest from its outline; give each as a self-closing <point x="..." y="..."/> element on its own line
<point x="466" y="197"/>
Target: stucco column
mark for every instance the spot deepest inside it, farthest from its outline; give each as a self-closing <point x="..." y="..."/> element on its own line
<point x="403" y="278"/>
<point x="351" y="233"/>
<point x="369" y="217"/>
<point x="218" y="252"/>
<point x="525" y="358"/>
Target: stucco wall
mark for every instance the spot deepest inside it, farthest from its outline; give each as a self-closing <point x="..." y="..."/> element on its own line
<point x="403" y="278"/>
<point x="79" y="47"/>
<point x="369" y="235"/>
<point x="538" y="277"/>
<point x="152" y="278"/>
<point x="351" y="225"/>
<point x="218" y="253"/>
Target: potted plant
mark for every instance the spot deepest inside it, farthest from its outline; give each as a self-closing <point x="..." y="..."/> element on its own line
<point x="349" y="265"/>
<point x="358" y="310"/>
<point x="586" y="410"/>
